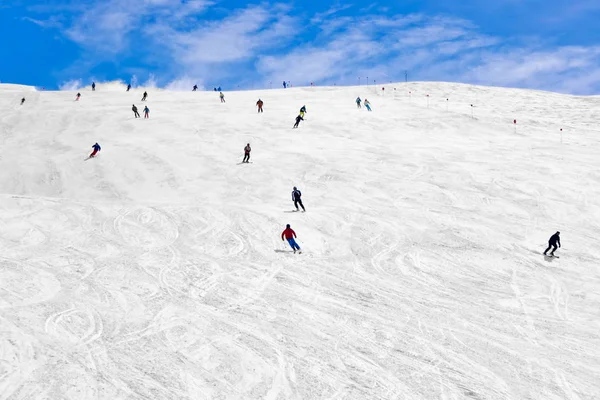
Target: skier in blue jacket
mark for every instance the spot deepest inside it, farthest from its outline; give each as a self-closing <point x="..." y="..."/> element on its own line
<point x="96" y="148"/>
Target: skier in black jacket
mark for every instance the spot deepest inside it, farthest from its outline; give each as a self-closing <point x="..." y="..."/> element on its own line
<point x="297" y="198"/>
<point x="554" y="239"/>
<point x="298" y="119"/>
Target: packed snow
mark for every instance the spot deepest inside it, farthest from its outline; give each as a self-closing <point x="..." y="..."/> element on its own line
<point x="156" y="270"/>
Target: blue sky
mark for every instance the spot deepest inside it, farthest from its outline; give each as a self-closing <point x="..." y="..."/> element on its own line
<point x="550" y="45"/>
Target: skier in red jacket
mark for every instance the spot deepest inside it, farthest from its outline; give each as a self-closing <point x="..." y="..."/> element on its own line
<point x="290" y="235"/>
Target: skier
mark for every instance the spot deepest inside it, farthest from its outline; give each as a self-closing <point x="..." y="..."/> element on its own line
<point x="96" y="148"/>
<point x="222" y="96"/>
<point x="145" y="96"/>
<point x="284" y="85"/>
<point x="22" y="100"/>
<point x="367" y="104"/>
<point x="554" y="239"/>
<point x="358" y="100"/>
<point x="77" y="97"/>
<point x="303" y="111"/>
<point x="247" y="151"/>
<point x="135" y="111"/>
<point x="128" y="86"/>
<point x="195" y="88"/>
<point x="259" y="103"/>
<point x="296" y="197"/>
<point x="93" y="86"/>
<point x="298" y="119"/>
<point x="290" y="235"/>
<point x="146" y="112"/>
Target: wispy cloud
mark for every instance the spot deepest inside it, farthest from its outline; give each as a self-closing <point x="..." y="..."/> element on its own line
<point x="74" y="84"/>
<point x="186" y="44"/>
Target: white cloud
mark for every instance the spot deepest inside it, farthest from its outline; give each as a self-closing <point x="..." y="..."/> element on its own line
<point x="75" y="84"/>
<point x="184" y="84"/>
<point x="267" y="42"/>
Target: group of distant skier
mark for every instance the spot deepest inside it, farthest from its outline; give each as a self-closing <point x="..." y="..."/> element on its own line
<point x="288" y="234"/>
<point x="366" y="103"/>
<point x="136" y="114"/>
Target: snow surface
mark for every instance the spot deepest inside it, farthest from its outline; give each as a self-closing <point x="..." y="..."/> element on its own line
<point x="156" y="270"/>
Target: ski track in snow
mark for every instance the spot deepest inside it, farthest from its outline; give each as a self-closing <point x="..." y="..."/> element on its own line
<point x="156" y="270"/>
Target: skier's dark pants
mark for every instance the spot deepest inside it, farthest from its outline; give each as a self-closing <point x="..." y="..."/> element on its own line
<point x="137" y="114"/>
<point x="299" y="201"/>
<point x="296" y="124"/>
<point x="246" y="157"/>
<point x="550" y="245"/>
<point x="260" y="109"/>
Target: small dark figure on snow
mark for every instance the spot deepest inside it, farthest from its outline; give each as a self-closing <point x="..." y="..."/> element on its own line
<point x="96" y="148"/>
<point x="290" y="235"/>
<point x="22" y="100"/>
<point x="259" y="104"/>
<point x="135" y="111"/>
<point x="145" y="96"/>
<point x="297" y="198"/>
<point x="128" y="87"/>
<point x="554" y="239"/>
<point x="358" y="101"/>
<point x="146" y="112"/>
<point x="77" y="97"/>
<point x="222" y="96"/>
<point x="284" y="84"/>
<point x="195" y="88"/>
<point x="247" y="151"/>
<point x="298" y="119"/>
<point x="93" y="86"/>
<point x="303" y="111"/>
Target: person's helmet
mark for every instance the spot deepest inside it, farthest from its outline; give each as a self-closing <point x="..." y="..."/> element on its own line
<point x="558" y="233"/>
<point x="287" y="226"/>
<point x="294" y="187"/>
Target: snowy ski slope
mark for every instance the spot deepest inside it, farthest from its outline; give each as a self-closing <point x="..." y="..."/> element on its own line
<point x="156" y="270"/>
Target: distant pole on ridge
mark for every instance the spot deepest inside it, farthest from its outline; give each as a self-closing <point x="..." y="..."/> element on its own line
<point x="405" y="76"/>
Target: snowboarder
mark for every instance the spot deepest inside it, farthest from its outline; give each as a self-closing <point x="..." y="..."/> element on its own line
<point x="367" y="104"/>
<point x="145" y="96"/>
<point x="222" y="96"/>
<point x="259" y="103"/>
<point x="289" y="234"/>
<point x="284" y="85"/>
<point x="195" y="88"/>
<point x="296" y="197"/>
<point x="128" y="86"/>
<point x="358" y="101"/>
<point x="554" y="239"/>
<point x="22" y="100"/>
<point x="135" y="111"/>
<point x="77" y="97"/>
<point x="303" y="111"/>
<point x="298" y="119"/>
<point x="146" y="112"/>
<point x="247" y="151"/>
<point x="96" y="148"/>
<point x="93" y="86"/>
